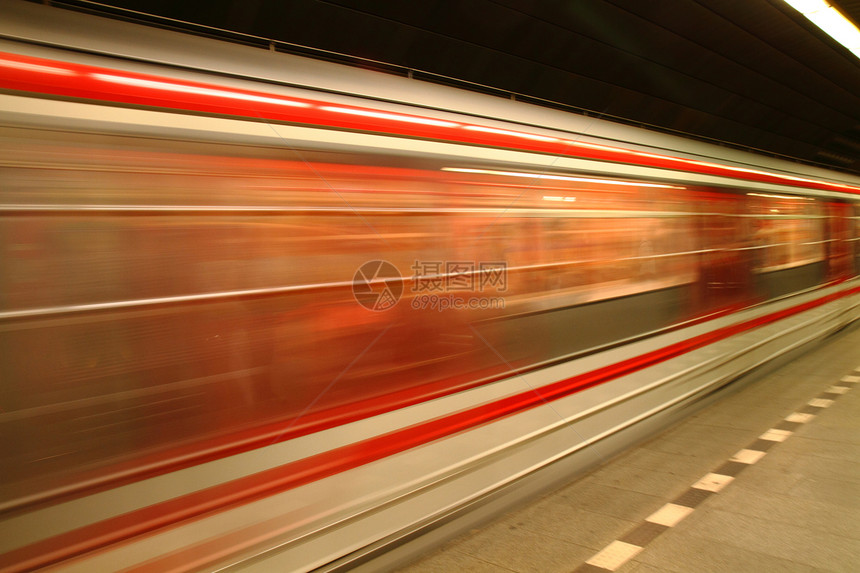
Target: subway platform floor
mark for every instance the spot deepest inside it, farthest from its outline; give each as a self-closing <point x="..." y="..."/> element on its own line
<point x="766" y="479"/>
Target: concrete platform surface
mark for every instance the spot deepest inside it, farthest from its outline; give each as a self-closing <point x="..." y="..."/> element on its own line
<point x="767" y="479"/>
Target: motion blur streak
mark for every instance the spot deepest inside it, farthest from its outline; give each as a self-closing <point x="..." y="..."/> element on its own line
<point x="223" y="341"/>
<point x="233" y="362"/>
<point x="148" y="90"/>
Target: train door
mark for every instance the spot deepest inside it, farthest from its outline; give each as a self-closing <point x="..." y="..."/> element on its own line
<point x="856" y="239"/>
<point x="724" y="266"/>
<point x="840" y="265"/>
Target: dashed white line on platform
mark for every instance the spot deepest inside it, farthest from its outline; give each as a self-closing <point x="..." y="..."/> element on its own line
<point x="670" y="514"/>
<point x="775" y="435"/>
<point x="748" y="456"/>
<point x="619" y="552"/>
<point x="614" y="555"/>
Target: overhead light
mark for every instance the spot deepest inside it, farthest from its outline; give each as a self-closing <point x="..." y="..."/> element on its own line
<point x="154" y="84"/>
<point x="391" y="116"/>
<point x="831" y="21"/>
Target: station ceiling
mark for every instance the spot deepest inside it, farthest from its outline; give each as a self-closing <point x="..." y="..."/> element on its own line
<point x="748" y="73"/>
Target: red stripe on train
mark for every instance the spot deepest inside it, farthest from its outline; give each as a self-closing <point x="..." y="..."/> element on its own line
<point x="295" y="474"/>
<point x="43" y="76"/>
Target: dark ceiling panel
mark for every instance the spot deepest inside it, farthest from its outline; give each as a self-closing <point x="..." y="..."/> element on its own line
<point x="752" y="73"/>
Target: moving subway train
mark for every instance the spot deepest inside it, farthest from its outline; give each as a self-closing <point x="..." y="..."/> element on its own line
<point x="264" y="313"/>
